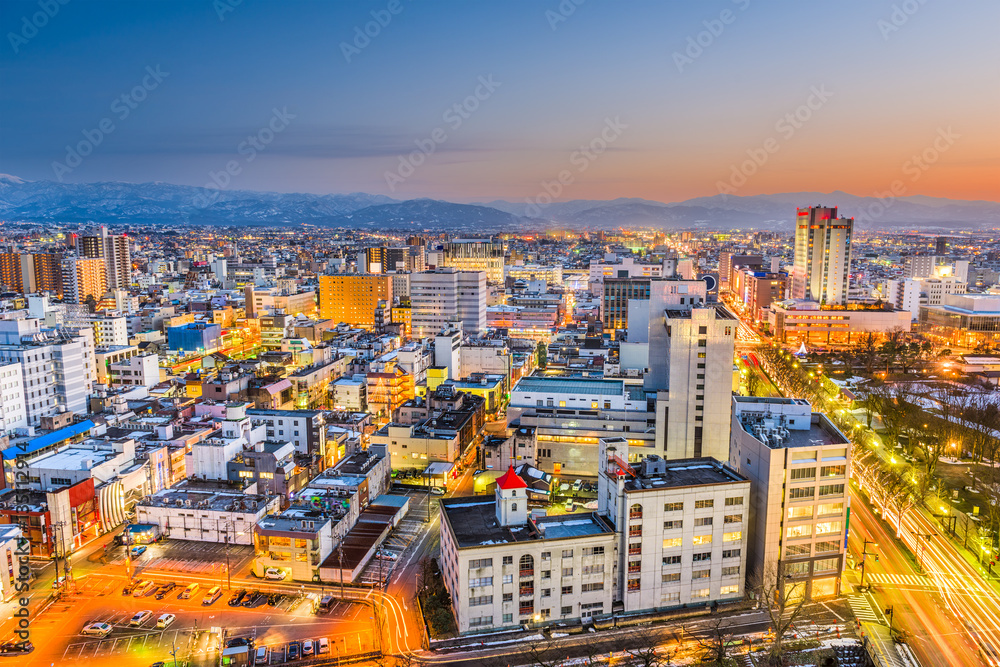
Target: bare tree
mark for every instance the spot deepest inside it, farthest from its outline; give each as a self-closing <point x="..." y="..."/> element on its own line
<point x="897" y="493"/>
<point x="783" y="600"/>
<point x="866" y="350"/>
<point x="644" y="649"/>
<point x="714" y="643"/>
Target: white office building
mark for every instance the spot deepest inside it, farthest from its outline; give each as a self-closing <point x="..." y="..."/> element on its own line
<point x="13" y="411"/>
<point x="681" y="528"/>
<point x="798" y="464"/>
<point x="444" y="298"/>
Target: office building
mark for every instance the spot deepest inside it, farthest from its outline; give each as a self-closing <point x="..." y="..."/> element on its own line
<point x="797" y="462"/>
<point x="941" y="245"/>
<point x="443" y="298"/>
<point x="757" y="290"/>
<point x="56" y="366"/>
<point x="681" y="527"/>
<point x="810" y="322"/>
<point x="822" y="255"/>
<point x="197" y="337"/>
<point x="505" y="567"/>
<point x="13" y="409"/>
<point x="485" y="255"/>
<point x="353" y="298"/>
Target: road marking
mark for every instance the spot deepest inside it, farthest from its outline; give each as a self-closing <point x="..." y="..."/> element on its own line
<point x="899" y="579"/>
<point x="862" y="609"/>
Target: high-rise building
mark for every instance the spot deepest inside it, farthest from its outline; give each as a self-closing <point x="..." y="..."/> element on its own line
<point x="476" y="255"/>
<point x="83" y="277"/>
<point x="392" y="258"/>
<point x="113" y="249"/>
<point x="353" y="298"/>
<point x="442" y="298"/>
<point x="30" y="273"/>
<point x="13" y="409"/>
<point x="941" y="245"/>
<point x="822" y="255"/>
<point x="797" y="462"/>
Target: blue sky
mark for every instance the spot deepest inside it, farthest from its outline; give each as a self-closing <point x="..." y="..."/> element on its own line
<point x="687" y="119"/>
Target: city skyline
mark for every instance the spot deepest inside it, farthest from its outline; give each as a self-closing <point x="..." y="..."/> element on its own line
<point x="595" y="101"/>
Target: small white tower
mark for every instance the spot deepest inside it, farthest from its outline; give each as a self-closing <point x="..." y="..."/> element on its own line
<point x="512" y="499"/>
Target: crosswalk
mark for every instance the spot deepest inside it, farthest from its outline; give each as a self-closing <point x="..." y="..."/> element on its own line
<point x="862" y="609"/>
<point x="899" y="579"/>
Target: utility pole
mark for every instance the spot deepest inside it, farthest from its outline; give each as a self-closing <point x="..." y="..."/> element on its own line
<point x="340" y="562"/>
<point x="889" y="612"/>
<point x="229" y="577"/>
<point x="864" y="559"/>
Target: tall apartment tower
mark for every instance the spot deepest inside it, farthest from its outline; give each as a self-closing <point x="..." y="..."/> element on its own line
<point x="443" y="298"/>
<point x="822" y="255"/>
<point x="29" y="273"/>
<point x="83" y="277"/>
<point x="113" y="249"/>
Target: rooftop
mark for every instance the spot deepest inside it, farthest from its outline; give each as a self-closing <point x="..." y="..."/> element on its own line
<point x="474" y="523"/>
<point x="654" y="472"/>
<point x="566" y="385"/>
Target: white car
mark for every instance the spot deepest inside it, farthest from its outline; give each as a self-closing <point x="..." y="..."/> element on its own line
<point x="143" y="588"/>
<point x="97" y="629"/>
<point x="140" y="617"/>
<point x="275" y="574"/>
<point x="437" y="491"/>
<point x="322" y="645"/>
<point x="165" y="620"/>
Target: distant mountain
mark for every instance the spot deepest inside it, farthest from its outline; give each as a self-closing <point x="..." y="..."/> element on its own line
<point x="770" y="211"/>
<point x="429" y="213"/>
<point x="144" y="203"/>
<point x="41" y="201"/>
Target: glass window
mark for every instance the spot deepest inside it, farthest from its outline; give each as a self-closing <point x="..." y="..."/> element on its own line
<point x="826" y="564"/>
<point x="672" y="542"/>
<point x="670" y="578"/>
<point x="805" y="530"/>
<point x="801" y="493"/>
<point x="803" y="473"/>
<point x="831" y="508"/>
<point x="704" y="504"/>
<point x="701" y="539"/>
<point x="700" y="593"/>
<point x="827" y="527"/>
<point x="730" y="590"/>
<point x="734" y="536"/>
<point x="800" y="512"/>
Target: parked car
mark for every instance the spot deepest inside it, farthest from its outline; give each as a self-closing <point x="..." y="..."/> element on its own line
<point x="128" y="588"/>
<point x="213" y="594"/>
<point x="140" y="617"/>
<point x="97" y="629"/>
<point x="16" y="648"/>
<point x="437" y="491"/>
<point x="275" y="574"/>
<point x="236" y="598"/>
<point x="262" y="656"/>
<point x="308" y="648"/>
<point x="274" y="599"/>
<point x="386" y="555"/>
<point x="239" y="641"/>
<point x="188" y="592"/>
<point x="138" y="551"/>
<point x="165" y="620"/>
<point x="294" y="651"/>
<point x="142" y="589"/>
<point x="322" y="645"/>
<point x="166" y="588"/>
<point x="252" y="599"/>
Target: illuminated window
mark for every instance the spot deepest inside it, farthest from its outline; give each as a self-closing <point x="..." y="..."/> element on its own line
<point x="701" y="539"/>
<point x="672" y="542"/>
<point x="734" y="536"/>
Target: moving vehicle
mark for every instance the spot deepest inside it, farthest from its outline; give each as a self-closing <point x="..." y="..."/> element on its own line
<point x="308" y="648"/>
<point x="213" y="594"/>
<point x="165" y="620"/>
<point x="189" y="591"/>
<point x="142" y="589"/>
<point x="437" y="491"/>
<point x="97" y="629"/>
<point x="166" y="588"/>
<point x="322" y="645"/>
<point x="140" y="617"/>
<point x="138" y="551"/>
<point x="236" y="598"/>
<point x="274" y="574"/>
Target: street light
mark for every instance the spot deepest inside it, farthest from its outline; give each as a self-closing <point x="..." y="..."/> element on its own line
<point x="864" y="559"/>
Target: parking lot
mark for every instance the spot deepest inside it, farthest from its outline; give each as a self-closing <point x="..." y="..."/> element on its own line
<point x="422" y="506"/>
<point x="196" y="634"/>
<point x="187" y="556"/>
